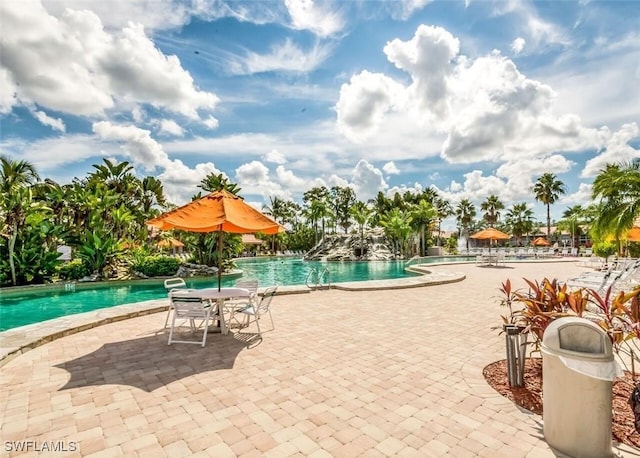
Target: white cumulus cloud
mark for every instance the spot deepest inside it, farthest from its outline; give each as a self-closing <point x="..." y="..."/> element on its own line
<point x="54" y="123"/>
<point x="518" y="45"/>
<point x="367" y="180"/>
<point x="616" y="150"/>
<point x="170" y="127"/>
<point x="137" y="144"/>
<point x="364" y="101"/>
<point x="390" y="168"/>
<point x="71" y="64"/>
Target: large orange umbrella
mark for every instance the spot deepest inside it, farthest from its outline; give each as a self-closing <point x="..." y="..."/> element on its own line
<point x="219" y="211"/>
<point x="490" y="233"/>
<point x="541" y="241"/>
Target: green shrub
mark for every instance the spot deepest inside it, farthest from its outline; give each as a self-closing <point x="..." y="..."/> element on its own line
<point x="73" y="270"/>
<point x="156" y="266"/>
<point x="605" y="249"/>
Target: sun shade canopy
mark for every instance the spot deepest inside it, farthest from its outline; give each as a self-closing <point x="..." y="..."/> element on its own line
<point x="250" y="239"/>
<point x="633" y="235"/>
<point x="170" y="243"/>
<point x="218" y="211"/>
<point x="490" y="234"/>
<point x="540" y="241"/>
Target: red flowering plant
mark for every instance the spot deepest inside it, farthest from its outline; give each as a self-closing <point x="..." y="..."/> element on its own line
<point x="617" y="314"/>
<point x="544" y="302"/>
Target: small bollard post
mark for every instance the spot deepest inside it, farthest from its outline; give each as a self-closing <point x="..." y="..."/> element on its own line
<point x="516" y="349"/>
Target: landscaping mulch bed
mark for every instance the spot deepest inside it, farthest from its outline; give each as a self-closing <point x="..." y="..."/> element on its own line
<point x="530" y="396"/>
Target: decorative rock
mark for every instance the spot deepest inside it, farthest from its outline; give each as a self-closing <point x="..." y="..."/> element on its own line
<point x="350" y="247"/>
<point x="188" y="270"/>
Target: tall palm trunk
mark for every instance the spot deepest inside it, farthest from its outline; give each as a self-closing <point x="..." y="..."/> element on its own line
<point x="12" y="244"/>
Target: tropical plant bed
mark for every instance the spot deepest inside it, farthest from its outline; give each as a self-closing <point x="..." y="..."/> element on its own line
<point x="530" y="396"/>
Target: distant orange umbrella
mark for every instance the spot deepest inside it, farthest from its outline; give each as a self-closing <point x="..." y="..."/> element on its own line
<point x="541" y="241"/>
<point x="490" y="233"/>
<point x="633" y="235"/>
<point x="219" y="211"/>
<point x="170" y="243"/>
<point x="250" y="239"/>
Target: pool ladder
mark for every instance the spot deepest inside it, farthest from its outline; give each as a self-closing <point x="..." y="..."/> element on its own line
<point x="316" y="276"/>
<point x="69" y="286"/>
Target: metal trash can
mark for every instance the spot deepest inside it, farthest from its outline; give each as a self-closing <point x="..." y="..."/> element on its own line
<point x="578" y="369"/>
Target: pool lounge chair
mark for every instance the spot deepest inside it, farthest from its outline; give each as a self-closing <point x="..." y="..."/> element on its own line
<point x="610" y="278"/>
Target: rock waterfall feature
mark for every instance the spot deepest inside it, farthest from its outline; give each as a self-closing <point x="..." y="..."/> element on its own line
<point x="373" y="246"/>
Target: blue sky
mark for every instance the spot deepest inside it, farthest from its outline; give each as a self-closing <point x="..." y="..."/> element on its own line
<point x="470" y="97"/>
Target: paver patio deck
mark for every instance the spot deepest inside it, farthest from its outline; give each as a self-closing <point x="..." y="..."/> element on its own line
<point x="344" y="374"/>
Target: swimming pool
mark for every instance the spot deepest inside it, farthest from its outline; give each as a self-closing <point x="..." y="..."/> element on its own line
<point x="39" y="304"/>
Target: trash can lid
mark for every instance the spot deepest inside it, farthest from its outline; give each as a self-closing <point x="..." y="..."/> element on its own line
<point x="577" y="337"/>
<point x="582" y="346"/>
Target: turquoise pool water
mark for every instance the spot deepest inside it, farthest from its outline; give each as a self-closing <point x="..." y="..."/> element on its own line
<point x="27" y="307"/>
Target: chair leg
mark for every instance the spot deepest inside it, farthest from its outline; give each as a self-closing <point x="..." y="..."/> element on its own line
<point x="166" y="320"/>
<point x="273" y="326"/>
<point x="206" y="330"/>
<point x="173" y="325"/>
<point x="258" y="325"/>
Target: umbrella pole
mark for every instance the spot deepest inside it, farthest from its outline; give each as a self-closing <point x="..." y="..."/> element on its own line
<point x="220" y="241"/>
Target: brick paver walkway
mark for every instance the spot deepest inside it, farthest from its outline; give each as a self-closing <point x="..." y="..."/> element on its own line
<point x="344" y="374"/>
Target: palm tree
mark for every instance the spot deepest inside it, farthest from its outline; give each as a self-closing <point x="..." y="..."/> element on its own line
<point x="152" y="194"/>
<point x="16" y="179"/>
<point x="618" y="189"/>
<point x="519" y="220"/>
<point x="342" y="199"/>
<point x="572" y="218"/>
<point x="381" y="205"/>
<point x="397" y="225"/>
<point x="465" y="213"/>
<point x="277" y="210"/>
<point x="361" y="214"/>
<point x="547" y="190"/>
<point x="492" y="206"/>
<point x="213" y="183"/>
<point x="317" y="207"/>
<point x="422" y="216"/>
<point x="444" y="210"/>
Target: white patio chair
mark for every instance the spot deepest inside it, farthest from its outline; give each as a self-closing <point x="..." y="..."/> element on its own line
<point x="171" y="284"/>
<point x="191" y="309"/>
<point x="234" y="304"/>
<point x="255" y="312"/>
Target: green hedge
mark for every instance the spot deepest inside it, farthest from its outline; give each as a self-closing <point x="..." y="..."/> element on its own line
<point x="73" y="270"/>
<point x="157" y="266"/>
